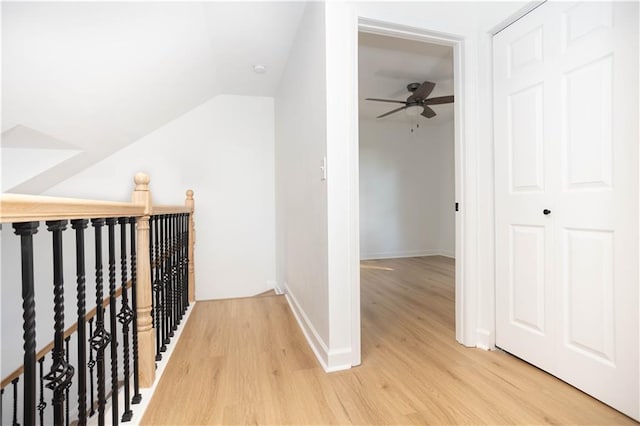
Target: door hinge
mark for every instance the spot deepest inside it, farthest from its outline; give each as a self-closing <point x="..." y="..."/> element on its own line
<point x="457" y="207"/>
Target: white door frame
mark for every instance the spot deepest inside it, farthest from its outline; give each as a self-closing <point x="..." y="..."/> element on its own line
<point x="464" y="160"/>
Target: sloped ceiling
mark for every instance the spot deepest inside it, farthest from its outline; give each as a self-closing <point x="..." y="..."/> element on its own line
<point x="387" y="64"/>
<point x="99" y="76"/>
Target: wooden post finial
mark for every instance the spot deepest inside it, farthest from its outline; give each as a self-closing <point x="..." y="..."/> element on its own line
<point x="189" y="194"/>
<point x="142" y="181"/>
<point x="142" y="194"/>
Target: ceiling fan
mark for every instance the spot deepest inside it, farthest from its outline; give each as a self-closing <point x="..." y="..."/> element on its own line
<point x="418" y="98"/>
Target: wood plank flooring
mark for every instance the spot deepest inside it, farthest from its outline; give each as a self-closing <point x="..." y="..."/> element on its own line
<point x="245" y="361"/>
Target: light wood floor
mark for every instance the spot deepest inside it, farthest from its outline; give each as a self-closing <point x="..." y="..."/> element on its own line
<point x="245" y="361"/>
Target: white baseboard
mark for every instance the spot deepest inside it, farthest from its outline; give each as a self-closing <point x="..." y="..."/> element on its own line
<point x="406" y="253"/>
<point x="485" y="340"/>
<point x="279" y="288"/>
<point x="330" y="360"/>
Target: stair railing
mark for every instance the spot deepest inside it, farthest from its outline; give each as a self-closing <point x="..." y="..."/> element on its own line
<point x="110" y="348"/>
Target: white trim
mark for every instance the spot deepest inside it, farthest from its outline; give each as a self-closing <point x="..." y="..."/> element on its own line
<point x="316" y="343"/>
<point x="465" y="166"/>
<point x="334" y="360"/>
<point x="485" y="339"/>
<point x="280" y="288"/>
<point x="526" y="9"/>
<point x="406" y="253"/>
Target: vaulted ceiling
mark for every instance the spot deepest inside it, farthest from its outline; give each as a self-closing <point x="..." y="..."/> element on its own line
<point x="98" y="76"/>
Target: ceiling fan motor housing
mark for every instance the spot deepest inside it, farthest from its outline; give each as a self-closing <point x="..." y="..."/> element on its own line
<point x="412" y="87"/>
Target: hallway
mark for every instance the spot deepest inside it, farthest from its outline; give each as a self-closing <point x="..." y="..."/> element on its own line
<point x="245" y="361"/>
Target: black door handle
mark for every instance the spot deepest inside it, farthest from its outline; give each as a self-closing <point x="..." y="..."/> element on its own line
<point x="546" y="212"/>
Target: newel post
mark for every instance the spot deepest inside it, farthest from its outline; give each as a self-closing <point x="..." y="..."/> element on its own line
<point x="146" y="336"/>
<point x="190" y="204"/>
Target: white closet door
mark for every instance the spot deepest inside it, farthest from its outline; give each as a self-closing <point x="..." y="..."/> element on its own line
<point x="566" y="134"/>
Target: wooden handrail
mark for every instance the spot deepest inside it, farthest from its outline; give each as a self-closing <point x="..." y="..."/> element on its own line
<point x="28" y="208"/>
<point x="68" y="332"/>
<point x="169" y="210"/>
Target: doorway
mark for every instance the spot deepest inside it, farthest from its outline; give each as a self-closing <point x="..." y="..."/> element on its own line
<point x="408" y="230"/>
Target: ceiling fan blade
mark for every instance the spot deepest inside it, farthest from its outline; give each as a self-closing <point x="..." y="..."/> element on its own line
<point x="428" y="112"/>
<point x="392" y="111"/>
<point x="385" y="100"/>
<point x="439" y="100"/>
<point x="422" y="92"/>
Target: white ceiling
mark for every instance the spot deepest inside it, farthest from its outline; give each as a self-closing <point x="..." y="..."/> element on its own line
<point x="99" y="76"/>
<point x="387" y="65"/>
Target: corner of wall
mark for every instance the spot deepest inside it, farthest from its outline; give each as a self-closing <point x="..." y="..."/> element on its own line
<point x="330" y="359"/>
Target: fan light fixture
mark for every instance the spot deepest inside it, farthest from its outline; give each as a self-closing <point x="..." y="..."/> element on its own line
<point x="413" y="110"/>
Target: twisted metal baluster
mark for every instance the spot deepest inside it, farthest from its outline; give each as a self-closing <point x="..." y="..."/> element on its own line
<point x="164" y="279"/>
<point x="179" y="268"/>
<point x="169" y="283"/>
<point x="176" y="297"/>
<point x="91" y="364"/>
<point x="157" y="287"/>
<point x="79" y="225"/>
<point x="166" y="282"/>
<point x="14" y="382"/>
<point x="66" y="391"/>
<point x="186" y="260"/>
<point x="101" y="338"/>
<point x="137" y="397"/>
<point x="26" y="230"/>
<point x="125" y="316"/>
<point x="111" y="222"/>
<point x="61" y="373"/>
<point x="42" y="404"/>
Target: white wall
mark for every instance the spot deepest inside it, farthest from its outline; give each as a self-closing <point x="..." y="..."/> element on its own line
<point x="223" y="150"/>
<point x="406" y="190"/>
<point x="301" y="195"/>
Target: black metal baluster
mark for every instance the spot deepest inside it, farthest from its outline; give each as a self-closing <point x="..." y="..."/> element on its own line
<point x="101" y="338"/>
<point x="79" y="225"/>
<point x="61" y="373"/>
<point x="163" y="282"/>
<point x="134" y="305"/>
<point x="172" y="274"/>
<point x="14" y="382"/>
<point x="66" y="391"/>
<point x="176" y="298"/>
<point x="187" y="218"/>
<point x="166" y="282"/>
<point x="179" y="267"/>
<point x="111" y="222"/>
<point x="1" y="403"/>
<point x="42" y="404"/>
<point x="125" y="316"/>
<point x="153" y="258"/>
<point x="185" y="266"/>
<point x="26" y="230"/>
<point x="91" y="364"/>
<point x="157" y="287"/>
<point x="186" y="261"/>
